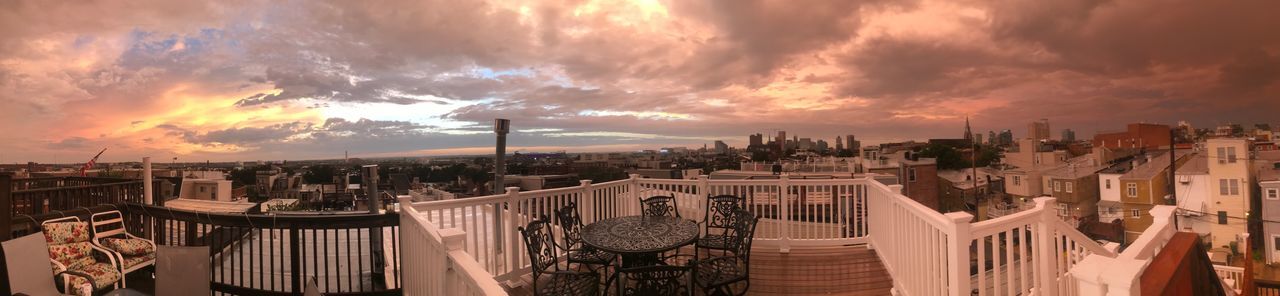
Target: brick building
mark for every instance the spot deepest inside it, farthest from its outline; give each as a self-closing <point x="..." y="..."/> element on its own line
<point x="1137" y="135"/>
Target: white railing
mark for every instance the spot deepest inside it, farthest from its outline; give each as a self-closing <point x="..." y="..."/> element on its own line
<point x="1028" y="252"/>
<point x="1120" y="274"/>
<point x="434" y="261"/>
<point x="920" y="247"/>
<point x="1231" y="277"/>
<point x="926" y="252"/>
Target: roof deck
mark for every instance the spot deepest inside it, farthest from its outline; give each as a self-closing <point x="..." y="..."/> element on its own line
<point x="831" y="237"/>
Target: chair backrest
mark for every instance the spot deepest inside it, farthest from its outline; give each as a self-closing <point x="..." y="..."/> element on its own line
<point x="745" y="229"/>
<point x="570" y="225"/>
<point x="658" y="206"/>
<point x="108" y="224"/>
<point x="27" y="260"/>
<point x="183" y="270"/>
<point x="656" y="280"/>
<point x="721" y="211"/>
<point x="540" y="242"/>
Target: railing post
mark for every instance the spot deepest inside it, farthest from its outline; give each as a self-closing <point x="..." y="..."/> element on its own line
<point x="1045" y="256"/>
<point x="704" y="191"/>
<point x="633" y="187"/>
<point x="586" y="202"/>
<point x="454" y="240"/>
<point x="784" y="209"/>
<point x="960" y="237"/>
<point x="6" y="224"/>
<point x="512" y="242"/>
<point x="295" y="260"/>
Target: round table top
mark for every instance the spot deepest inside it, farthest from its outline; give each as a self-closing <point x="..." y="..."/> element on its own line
<point x="637" y="234"/>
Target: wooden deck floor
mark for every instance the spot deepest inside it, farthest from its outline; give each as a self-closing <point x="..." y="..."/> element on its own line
<point x="847" y="270"/>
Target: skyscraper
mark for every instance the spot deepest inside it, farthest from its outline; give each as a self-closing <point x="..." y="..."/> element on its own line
<point x="1006" y="137"/>
<point x="992" y="139"/>
<point x="839" y="144"/>
<point x="757" y="140"/>
<point x="721" y="147"/>
<point x="782" y="140"/>
<point x="1068" y="135"/>
<point x="851" y="143"/>
<point x="1038" y="130"/>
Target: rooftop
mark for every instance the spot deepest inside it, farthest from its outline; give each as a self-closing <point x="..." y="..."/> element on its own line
<point x="1197" y="165"/>
<point x="1159" y="163"/>
<point x="1075" y="168"/>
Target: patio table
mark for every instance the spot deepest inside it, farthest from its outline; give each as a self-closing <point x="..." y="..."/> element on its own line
<point x="639" y="239"/>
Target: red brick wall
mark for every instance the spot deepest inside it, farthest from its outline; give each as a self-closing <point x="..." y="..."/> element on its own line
<point x="1137" y="135"/>
<point x="925" y="188"/>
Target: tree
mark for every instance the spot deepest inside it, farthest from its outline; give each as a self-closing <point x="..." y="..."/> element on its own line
<point x="321" y="174"/>
<point x="601" y="174"/>
<point x="948" y="157"/>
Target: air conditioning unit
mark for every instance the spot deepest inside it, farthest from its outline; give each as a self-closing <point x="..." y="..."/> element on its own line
<point x="1184" y="179"/>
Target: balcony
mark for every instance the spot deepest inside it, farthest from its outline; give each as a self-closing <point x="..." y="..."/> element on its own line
<point x="831" y="236"/>
<point x="1030" y="251"/>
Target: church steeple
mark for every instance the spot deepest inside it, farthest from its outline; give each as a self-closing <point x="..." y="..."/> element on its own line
<point x="968" y="133"/>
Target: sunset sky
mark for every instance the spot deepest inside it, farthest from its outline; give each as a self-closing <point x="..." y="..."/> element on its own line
<point x="271" y="80"/>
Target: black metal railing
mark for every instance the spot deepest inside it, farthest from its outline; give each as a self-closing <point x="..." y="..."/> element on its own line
<point x="348" y="254"/>
<point x="274" y="254"/>
<point x="35" y="196"/>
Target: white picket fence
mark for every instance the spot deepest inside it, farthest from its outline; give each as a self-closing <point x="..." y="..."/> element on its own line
<point x="927" y="253"/>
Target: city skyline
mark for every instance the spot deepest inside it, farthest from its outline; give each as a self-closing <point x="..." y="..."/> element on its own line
<point x="309" y="80"/>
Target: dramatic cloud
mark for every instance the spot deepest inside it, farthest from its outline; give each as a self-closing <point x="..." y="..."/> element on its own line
<point x="245" y="80"/>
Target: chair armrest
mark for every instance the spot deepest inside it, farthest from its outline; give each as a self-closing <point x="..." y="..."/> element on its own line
<point x="112" y="256"/>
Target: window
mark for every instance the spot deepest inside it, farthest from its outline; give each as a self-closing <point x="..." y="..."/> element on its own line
<point x="1017" y="180"/>
<point x="1222" y="217"/>
<point x="1063" y="210"/>
<point x="1231" y="154"/>
<point x="1057" y="186"/>
<point x="1069" y="187"/>
<point x="1108" y="183"/>
<point x="1223" y="189"/>
<point x="1222" y="155"/>
<point x="911" y="174"/>
<point x="1135" y="213"/>
<point x="1235" y="187"/>
<point x="1273" y="193"/>
<point x="1132" y="189"/>
<point x="201" y="189"/>
<point x="1275" y="242"/>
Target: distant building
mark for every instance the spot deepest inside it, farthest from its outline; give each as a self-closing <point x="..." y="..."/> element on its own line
<point x="1217" y="194"/>
<point x="852" y="143"/>
<point x="822" y="145"/>
<point x="1074" y="184"/>
<point x="1068" y="135"/>
<point x="206" y="189"/>
<point x="992" y="138"/>
<point x="756" y="140"/>
<point x="1006" y="138"/>
<point x="805" y="144"/>
<point x="1136" y="136"/>
<point x="721" y="147"/>
<point x="1268" y="166"/>
<point x="839" y="144"/>
<point x="977" y="138"/>
<point x="1038" y="130"/>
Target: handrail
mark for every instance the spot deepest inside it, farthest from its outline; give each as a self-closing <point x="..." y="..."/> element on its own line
<point x="1150" y="242"/>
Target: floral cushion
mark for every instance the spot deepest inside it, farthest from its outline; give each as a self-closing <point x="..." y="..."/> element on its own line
<point x="66" y="232"/>
<point x="129" y="246"/>
<point x="103" y="275"/>
<point x="131" y="261"/>
<point x="73" y="255"/>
